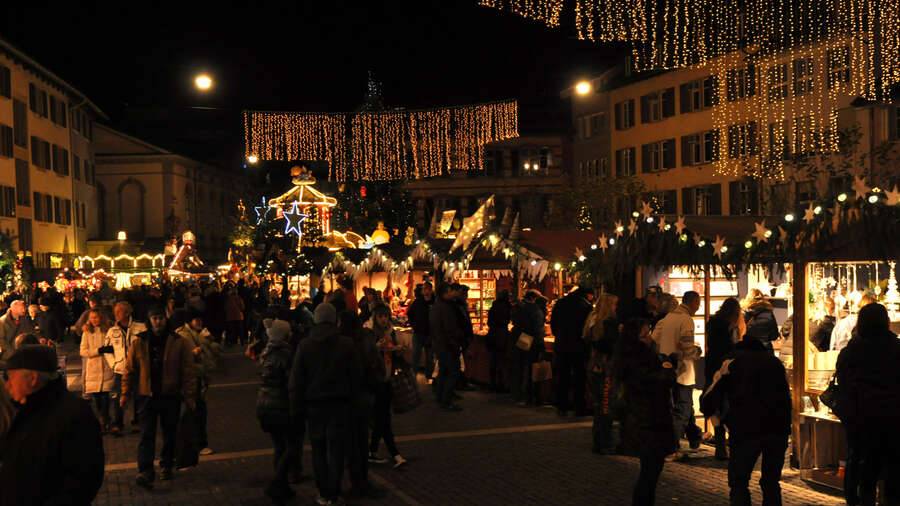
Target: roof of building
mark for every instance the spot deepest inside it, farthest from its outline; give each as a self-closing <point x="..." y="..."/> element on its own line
<point x="35" y="67"/>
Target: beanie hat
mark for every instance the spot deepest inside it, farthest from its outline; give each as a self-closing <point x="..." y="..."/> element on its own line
<point x="325" y="313"/>
<point x="279" y="331"/>
<point x="34" y="357"/>
<point x="156" y="311"/>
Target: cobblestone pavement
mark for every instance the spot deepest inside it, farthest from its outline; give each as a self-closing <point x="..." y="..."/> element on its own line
<point x="491" y="453"/>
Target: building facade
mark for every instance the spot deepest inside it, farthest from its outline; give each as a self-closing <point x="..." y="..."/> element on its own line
<point x="740" y="143"/>
<point x="46" y="161"/>
<point x="525" y="174"/>
<point x="152" y="194"/>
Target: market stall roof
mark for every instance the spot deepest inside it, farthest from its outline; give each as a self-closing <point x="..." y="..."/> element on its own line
<point x="558" y="245"/>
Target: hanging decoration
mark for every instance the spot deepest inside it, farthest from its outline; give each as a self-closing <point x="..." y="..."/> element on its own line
<point x="293" y="221"/>
<point x="473" y="225"/>
<point x="384" y="145"/>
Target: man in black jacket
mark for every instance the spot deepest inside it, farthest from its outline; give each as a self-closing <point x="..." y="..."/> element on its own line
<point x="447" y="336"/>
<point x="418" y="318"/>
<point x="53" y="453"/>
<point x="758" y="419"/>
<point x="567" y="324"/>
<point x="326" y="376"/>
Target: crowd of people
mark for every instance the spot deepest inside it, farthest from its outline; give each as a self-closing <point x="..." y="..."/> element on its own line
<point x="333" y="370"/>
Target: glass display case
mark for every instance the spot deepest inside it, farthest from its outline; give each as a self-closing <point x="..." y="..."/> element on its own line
<point x="482" y="292"/>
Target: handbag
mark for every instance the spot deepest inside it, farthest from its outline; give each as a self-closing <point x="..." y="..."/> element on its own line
<point x="541" y="371"/>
<point x="830" y="396"/>
<point x="525" y="341"/>
<point x="405" y="392"/>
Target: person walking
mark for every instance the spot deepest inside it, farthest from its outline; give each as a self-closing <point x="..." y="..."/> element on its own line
<point x="99" y="378"/>
<point x="12" y="324"/>
<point x="120" y="336"/>
<point x="498" y="341"/>
<point x="760" y="319"/>
<point x="529" y="319"/>
<point x="159" y="373"/>
<point x="234" y="317"/>
<point x="325" y="377"/>
<point x="417" y="314"/>
<point x="754" y="385"/>
<point x="648" y="382"/>
<point x="868" y="404"/>
<point x="47" y="323"/>
<point x="206" y="355"/>
<point x="381" y="332"/>
<point x="569" y="350"/>
<point x="601" y="331"/>
<point x="53" y="451"/>
<point x="273" y="408"/>
<point x="674" y="334"/>
<point x="723" y="331"/>
<point x="447" y="336"/>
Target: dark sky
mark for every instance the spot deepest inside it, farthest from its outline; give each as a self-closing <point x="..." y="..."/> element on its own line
<point x="137" y="62"/>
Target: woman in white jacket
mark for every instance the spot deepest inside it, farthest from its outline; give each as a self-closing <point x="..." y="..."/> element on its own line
<point x="99" y="379"/>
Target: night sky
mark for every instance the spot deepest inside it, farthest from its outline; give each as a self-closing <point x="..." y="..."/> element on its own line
<point x="137" y="63"/>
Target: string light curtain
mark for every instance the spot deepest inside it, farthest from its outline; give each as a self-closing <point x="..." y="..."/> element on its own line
<point x="385" y="145"/>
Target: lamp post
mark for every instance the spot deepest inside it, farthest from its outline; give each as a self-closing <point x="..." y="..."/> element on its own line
<point x="203" y="82"/>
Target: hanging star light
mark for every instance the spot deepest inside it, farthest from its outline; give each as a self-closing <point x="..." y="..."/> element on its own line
<point x="293" y="220"/>
<point x="893" y="197"/>
<point x="646" y="210"/>
<point x="604" y="242"/>
<point x="761" y="234"/>
<point x="662" y="224"/>
<point x="262" y="212"/>
<point x="680" y="225"/>
<point x="632" y="227"/>
<point x="809" y="214"/>
<point x="619" y="228"/>
<point x="719" y="246"/>
<point x="860" y="187"/>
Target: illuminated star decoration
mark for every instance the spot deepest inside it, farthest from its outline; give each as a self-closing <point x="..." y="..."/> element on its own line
<point x="293" y="220"/>
<point x="762" y="233"/>
<point x="662" y="224"/>
<point x="262" y="212"/>
<point x="679" y="225"/>
<point x="604" y="242"/>
<point x="893" y="197"/>
<point x="809" y="215"/>
<point x="646" y="210"/>
<point x="719" y="246"/>
<point x="697" y="239"/>
<point x="860" y="187"/>
<point x="619" y="228"/>
<point x="632" y="227"/>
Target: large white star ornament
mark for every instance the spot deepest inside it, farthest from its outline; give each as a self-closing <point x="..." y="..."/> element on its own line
<point x="262" y="212"/>
<point x="719" y="246"/>
<point x="293" y="220"/>
<point x="761" y="234"/>
<point x="646" y="210"/>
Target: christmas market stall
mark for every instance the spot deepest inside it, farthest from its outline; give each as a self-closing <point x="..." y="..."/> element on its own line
<point x="122" y="264"/>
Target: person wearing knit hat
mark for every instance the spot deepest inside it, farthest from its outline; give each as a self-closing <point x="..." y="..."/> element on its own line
<point x="279" y="331"/>
<point x="325" y="313"/>
<point x="57" y="425"/>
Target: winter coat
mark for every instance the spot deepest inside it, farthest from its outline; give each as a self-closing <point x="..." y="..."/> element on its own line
<point x="447" y="334"/>
<point x="373" y="364"/>
<point x="178" y="372"/>
<point x="234" y="308"/>
<point x="388" y="359"/>
<point x="761" y="324"/>
<point x="273" y="400"/>
<point x="209" y="349"/>
<point x="869" y="382"/>
<point x="47" y="325"/>
<point x="9" y="330"/>
<point x="603" y="340"/>
<point x="529" y="318"/>
<point x="97" y="373"/>
<point x="675" y="334"/>
<point x="647" y="389"/>
<point x="121" y="341"/>
<point x="821" y="339"/>
<point x="567" y="323"/>
<point x="498" y="320"/>
<point x="417" y="314"/>
<point x="326" y="370"/>
<point x="756" y="388"/>
<point x="719" y="344"/>
<point x="53" y="453"/>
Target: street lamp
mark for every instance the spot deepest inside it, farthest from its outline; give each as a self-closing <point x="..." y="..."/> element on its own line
<point x="122" y="236"/>
<point x="252" y="159"/>
<point x="583" y="88"/>
<point x="203" y="82"/>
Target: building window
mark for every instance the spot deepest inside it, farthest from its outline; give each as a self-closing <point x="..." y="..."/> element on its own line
<point x="625" y="162"/>
<point x="67" y="212"/>
<point x="742" y="140"/>
<point x="6" y="141"/>
<point x="658" y="105"/>
<point x="8" y="201"/>
<point x="43" y="207"/>
<point x="88" y="172"/>
<point x="779" y="141"/>
<point x="838" y="66"/>
<point x="20" y="124"/>
<point x="777" y="82"/>
<point x="625" y="114"/>
<point x="664" y="202"/>
<point x="57" y="210"/>
<point x="741" y="83"/>
<point x="40" y="153"/>
<point x="658" y="156"/>
<point x="76" y="166"/>
<point x="58" y="111"/>
<point x="60" y="160"/>
<point x="83" y="215"/>
<point x="700" y="148"/>
<point x="806" y="193"/>
<point x="544" y="158"/>
<point x="702" y="200"/>
<point x="37" y="99"/>
<point x="603" y="168"/>
<point x="840" y="184"/>
<point x="492" y="162"/>
<point x="744" y="198"/>
<point x="5" y="82"/>
<point x="23" y="183"/>
<point x="804" y="137"/>
<point x="700" y="94"/>
<point x="803" y="76"/>
<point x="24" y="234"/>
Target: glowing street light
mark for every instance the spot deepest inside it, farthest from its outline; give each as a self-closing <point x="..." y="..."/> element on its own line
<point x="252" y="159"/>
<point x="583" y="88"/>
<point x="203" y="82"/>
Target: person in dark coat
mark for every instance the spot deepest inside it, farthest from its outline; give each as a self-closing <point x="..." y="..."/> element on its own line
<point x="47" y="323"/>
<point x="721" y="332"/>
<point x="868" y="404"/>
<point x="273" y="408"/>
<point x="758" y="418"/>
<point x="760" y="319"/>
<point x="447" y="336"/>
<point x="601" y="334"/>
<point x="821" y="336"/>
<point x="417" y="314"/>
<point x="528" y="318"/>
<point x="647" y="381"/>
<point x="53" y="452"/>
<point x="569" y="351"/>
<point x="499" y="316"/>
